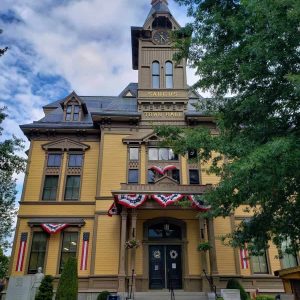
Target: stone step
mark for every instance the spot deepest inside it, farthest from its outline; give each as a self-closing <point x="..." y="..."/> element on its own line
<point x="165" y="295"/>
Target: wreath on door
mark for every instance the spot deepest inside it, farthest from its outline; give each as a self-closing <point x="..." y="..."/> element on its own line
<point x="173" y="254"/>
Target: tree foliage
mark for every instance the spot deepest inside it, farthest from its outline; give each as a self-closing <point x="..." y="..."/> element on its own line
<point x="234" y="284"/>
<point x="10" y="164"/>
<point x="45" y="291"/>
<point x="68" y="283"/>
<point x="4" y="263"/>
<point x="247" y="55"/>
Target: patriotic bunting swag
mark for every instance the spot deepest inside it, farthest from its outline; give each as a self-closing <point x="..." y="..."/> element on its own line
<point x="131" y="201"/>
<point x="165" y="200"/>
<point x="162" y="171"/>
<point x="113" y="210"/>
<point x="244" y="258"/>
<point x="198" y="203"/>
<point x="84" y="252"/>
<point x="53" y="228"/>
<point x="21" y="253"/>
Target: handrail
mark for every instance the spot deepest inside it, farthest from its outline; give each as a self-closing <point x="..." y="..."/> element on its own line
<point x="210" y="280"/>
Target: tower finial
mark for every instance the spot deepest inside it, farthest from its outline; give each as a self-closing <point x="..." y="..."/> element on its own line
<point x="153" y="2"/>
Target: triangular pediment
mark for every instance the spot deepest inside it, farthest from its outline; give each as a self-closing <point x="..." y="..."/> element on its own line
<point x="166" y="180"/>
<point x="151" y="138"/>
<point x="65" y="145"/>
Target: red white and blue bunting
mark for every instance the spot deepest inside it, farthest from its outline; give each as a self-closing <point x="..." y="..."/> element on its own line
<point x="113" y="210"/>
<point x="165" y="200"/>
<point x="162" y="171"/>
<point x="198" y="203"/>
<point x="53" y="228"/>
<point x="131" y="200"/>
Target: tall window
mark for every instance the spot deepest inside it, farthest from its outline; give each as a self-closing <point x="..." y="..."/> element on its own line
<point x="133" y="154"/>
<point x="155" y="75"/>
<point x="54" y="160"/>
<point x="176" y="175"/>
<point x="38" y="251"/>
<point x="169" y="75"/>
<point x="133" y="176"/>
<point x="194" y="176"/>
<point x="50" y="187"/>
<point x="69" y="248"/>
<point x="260" y="264"/>
<point x="289" y="260"/>
<point x="72" y="112"/>
<point x="72" y="187"/>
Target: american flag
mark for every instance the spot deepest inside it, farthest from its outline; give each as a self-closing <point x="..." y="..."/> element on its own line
<point x="244" y="258"/>
<point x="84" y="252"/>
<point x="21" y="253"/>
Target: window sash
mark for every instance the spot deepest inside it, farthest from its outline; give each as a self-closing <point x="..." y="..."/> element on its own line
<point x="194" y="176"/>
<point x="68" y="247"/>
<point x="162" y="154"/>
<point x="260" y="264"/>
<point x="54" y="160"/>
<point x="75" y="160"/>
<point x="72" y="187"/>
<point x="50" y="187"/>
<point x="133" y="176"/>
<point x="133" y="153"/>
<point x="155" y="75"/>
<point x="37" y="252"/>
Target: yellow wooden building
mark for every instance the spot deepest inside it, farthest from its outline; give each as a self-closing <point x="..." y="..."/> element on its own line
<point x="89" y="153"/>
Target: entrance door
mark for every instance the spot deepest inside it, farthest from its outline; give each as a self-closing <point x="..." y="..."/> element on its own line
<point x="165" y="268"/>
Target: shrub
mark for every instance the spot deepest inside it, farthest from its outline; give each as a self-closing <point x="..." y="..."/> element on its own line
<point x="45" y="291"/>
<point x="264" y="297"/>
<point x="103" y="295"/>
<point x="234" y="284"/>
<point x="68" y="283"/>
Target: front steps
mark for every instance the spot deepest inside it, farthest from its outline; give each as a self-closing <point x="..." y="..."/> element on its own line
<point x="166" y="295"/>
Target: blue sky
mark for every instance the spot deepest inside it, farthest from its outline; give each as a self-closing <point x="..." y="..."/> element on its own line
<point x="56" y="46"/>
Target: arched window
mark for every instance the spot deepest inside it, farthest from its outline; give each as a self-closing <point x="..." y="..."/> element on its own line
<point x="169" y="75"/>
<point x="155" y="75"/>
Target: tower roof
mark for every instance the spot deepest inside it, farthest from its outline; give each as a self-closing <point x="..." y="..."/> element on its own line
<point x="158" y="6"/>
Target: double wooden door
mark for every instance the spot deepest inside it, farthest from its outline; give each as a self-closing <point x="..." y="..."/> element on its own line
<point x="165" y="267"/>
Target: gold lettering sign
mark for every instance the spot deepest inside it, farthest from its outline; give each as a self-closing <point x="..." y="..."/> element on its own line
<point x="162" y="94"/>
<point x="163" y="114"/>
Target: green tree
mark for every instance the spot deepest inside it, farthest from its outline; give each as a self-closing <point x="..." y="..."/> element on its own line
<point x="10" y="164"/>
<point x="4" y="262"/>
<point x="45" y="291"/>
<point x="68" y="283"/>
<point x="2" y="50"/>
<point x="246" y="53"/>
<point x="234" y="284"/>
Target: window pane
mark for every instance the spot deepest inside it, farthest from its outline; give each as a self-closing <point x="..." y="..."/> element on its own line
<point x="169" y="68"/>
<point x="38" y="250"/>
<point x="69" y="109"/>
<point x="155" y="82"/>
<point x="169" y="82"/>
<point x="153" y="153"/>
<point x="69" y="247"/>
<point x="75" y="117"/>
<point x="172" y="155"/>
<point x="194" y="176"/>
<point x="164" y="230"/>
<point x="151" y="176"/>
<point x="76" y="109"/>
<point x="72" y="187"/>
<point x="133" y="176"/>
<point x="54" y="160"/>
<point x="155" y="68"/>
<point x="176" y="175"/>
<point x="68" y="117"/>
<point x="259" y="264"/>
<point x="75" y="160"/>
<point x="163" y="154"/>
<point x="288" y="260"/>
<point x="50" y="187"/>
<point x="192" y="154"/>
<point x="133" y="153"/>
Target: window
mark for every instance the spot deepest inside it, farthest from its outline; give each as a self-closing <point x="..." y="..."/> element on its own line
<point x="259" y="264"/>
<point x="155" y="75"/>
<point x="68" y="248"/>
<point x="72" y="112"/>
<point x="169" y="75"/>
<point x="194" y="176"/>
<point x="54" y="160"/>
<point x="50" y="187"/>
<point x="151" y="176"/>
<point x="38" y="251"/>
<point x="75" y="160"/>
<point x="176" y="175"/>
<point x="164" y="230"/>
<point x="161" y="154"/>
<point x="133" y="153"/>
<point x="192" y="154"/>
<point x="133" y="176"/>
<point x="72" y="187"/>
<point x="289" y="260"/>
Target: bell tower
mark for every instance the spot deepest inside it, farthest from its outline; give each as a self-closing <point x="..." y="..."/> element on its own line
<point x="162" y="86"/>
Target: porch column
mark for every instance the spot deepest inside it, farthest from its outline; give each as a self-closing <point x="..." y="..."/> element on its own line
<point x="122" y="260"/>
<point x="212" y="251"/>
<point x="133" y="251"/>
<point x="203" y="254"/>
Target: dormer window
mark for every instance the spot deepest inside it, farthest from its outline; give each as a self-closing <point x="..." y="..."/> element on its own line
<point x="72" y="112"/>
